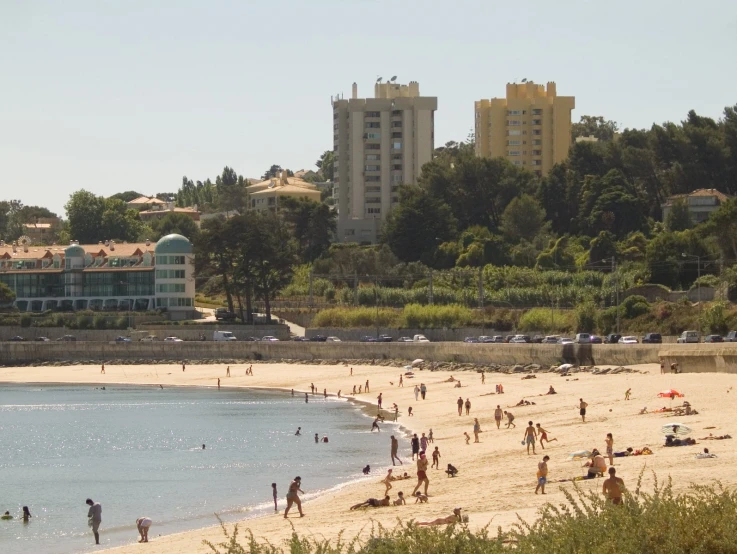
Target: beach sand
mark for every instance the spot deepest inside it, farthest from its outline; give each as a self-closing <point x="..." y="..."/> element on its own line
<point x="496" y="480"/>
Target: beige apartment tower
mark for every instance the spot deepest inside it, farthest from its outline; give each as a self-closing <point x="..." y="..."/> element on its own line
<point x="531" y="127"/>
<point x="379" y="144"/>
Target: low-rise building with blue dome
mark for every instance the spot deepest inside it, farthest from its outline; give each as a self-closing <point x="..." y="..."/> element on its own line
<point x="106" y="276"/>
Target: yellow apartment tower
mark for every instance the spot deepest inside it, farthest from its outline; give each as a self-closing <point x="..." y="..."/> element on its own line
<point x="531" y="127"/>
<point x="379" y="144"/>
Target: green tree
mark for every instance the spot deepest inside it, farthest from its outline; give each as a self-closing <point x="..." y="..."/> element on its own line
<point x="118" y="222"/>
<point x="417" y="225"/>
<point x="274" y="171"/>
<point x="326" y="165"/>
<point x="126" y="196"/>
<point x="722" y="226"/>
<point x="679" y="218"/>
<point x="523" y="219"/>
<point x="312" y="225"/>
<point x="6" y="294"/>
<point x="602" y="247"/>
<point x="175" y="222"/>
<point x="231" y="191"/>
<point x="214" y="249"/>
<point x="667" y="264"/>
<point x="596" y="126"/>
<point x="84" y="215"/>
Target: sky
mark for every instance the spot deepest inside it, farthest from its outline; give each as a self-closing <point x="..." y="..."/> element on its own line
<point x="111" y="96"/>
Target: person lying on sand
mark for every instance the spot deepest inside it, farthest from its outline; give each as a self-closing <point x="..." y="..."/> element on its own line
<point x="450" y="379"/>
<point x="372" y="503"/>
<point x="715" y="437"/>
<point x="455" y="518"/>
<point x="522" y="402"/>
<point x="705" y="454"/>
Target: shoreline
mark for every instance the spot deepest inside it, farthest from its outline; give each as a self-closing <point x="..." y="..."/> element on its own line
<point x="498" y="464"/>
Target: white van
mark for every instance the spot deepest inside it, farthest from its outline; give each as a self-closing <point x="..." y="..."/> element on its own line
<point x="689" y="336"/>
<point x="223" y="335"/>
<point x="583" y="338"/>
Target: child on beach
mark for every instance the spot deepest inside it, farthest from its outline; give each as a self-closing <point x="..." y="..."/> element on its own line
<point x="543" y="435"/>
<point x="610" y="448"/>
<point x="510" y="419"/>
<point x="542" y="474"/>
<point x="468" y="438"/>
<point x="421" y="498"/>
<point x="400" y="499"/>
<point x="429" y="437"/>
<point x="387" y="481"/>
<point x="436" y="458"/>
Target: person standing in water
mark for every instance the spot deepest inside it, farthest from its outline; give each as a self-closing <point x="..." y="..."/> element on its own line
<point x="317" y="438"/>
<point x="394" y="450"/>
<point x="307" y="399"/>
<point x="218" y="389"/>
<point x="26" y="514"/>
<point x="367" y="385"/>
<point x="299" y="432"/>
<point x="273" y="490"/>
<point x="94" y="515"/>
<point x="293" y="496"/>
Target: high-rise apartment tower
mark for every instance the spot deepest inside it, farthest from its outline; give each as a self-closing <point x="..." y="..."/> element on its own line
<point x="531" y="127"/>
<point x="379" y="144"/>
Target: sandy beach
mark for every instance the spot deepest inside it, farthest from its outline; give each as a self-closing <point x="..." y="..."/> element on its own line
<point x="496" y="479"/>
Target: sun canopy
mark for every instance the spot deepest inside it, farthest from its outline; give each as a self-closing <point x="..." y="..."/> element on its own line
<point x="675" y="429"/>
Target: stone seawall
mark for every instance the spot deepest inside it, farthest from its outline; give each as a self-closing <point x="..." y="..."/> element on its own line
<point x="184" y="332"/>
<point x="505" y="354"/>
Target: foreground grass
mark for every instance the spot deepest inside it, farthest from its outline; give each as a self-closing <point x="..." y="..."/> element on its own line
<point x="703" y="521"/>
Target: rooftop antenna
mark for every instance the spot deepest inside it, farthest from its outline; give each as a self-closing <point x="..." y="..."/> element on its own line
<point x="378" y="80"/>
<point x="393" y="78"/>
<point x="524" y="80"/>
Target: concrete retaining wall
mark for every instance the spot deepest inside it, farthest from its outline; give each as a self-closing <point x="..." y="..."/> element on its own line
<point x="184" y="332"/>
<point x="700" y="358"/>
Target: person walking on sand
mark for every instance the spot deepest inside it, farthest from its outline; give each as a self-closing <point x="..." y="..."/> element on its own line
<point x="143" y="524"/>
<point x="613" y="487"/>
<point x="476" y="429"/>
<point x="498" y="414"/>
<point x="543" y="436"/>
<point x="394" y="450"/>
<point x="467" y="437"/>
<point x="429" y="437"/>
<point x="510" y="419"/>
<point x="582" y="409"/>
<point x="293" y="496"/>
<point x="273" y="491"/>
<point x="529" y="438"/>
<point x="183" y="368"/>
<point x="360" y="389"/>
<point x="94" y="516"/>
<point x="423" y="443"/>
<point x="417" y="393"/>
<point x="423" y="390"/>
<point x="102" y="369"/>
<point x="324" y="393"/>
<point x="483" y="377"/>
<point x="354" y="389"/>
<point x="459" y="402"/>
<point x="610" y="448"/>
<point x="218" y="383"/>
<point x="401" y="380"/>
<point x="421" y="473"/>
<point x="227" y="373"/>
<point x="367" y="386"/>
<point x="378" y="400"/>
<point x="627" y="394"/>
<point x="436" y="458"/>
<point x="415" y="442"/>
<point x="542" y="474"/>
<point x="387" y="481"/>
<point x="351" y="372"/>
<point x="468" y="406"/>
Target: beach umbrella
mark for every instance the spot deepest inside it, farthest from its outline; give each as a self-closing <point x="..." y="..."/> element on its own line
<point x="580" y="455"/>
<point x="675" y="429"/>
<point x="670" y="393"/>
<point x="417" y="362"/>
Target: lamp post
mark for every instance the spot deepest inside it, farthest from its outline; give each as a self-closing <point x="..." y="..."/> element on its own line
<point x="698" y="272"/>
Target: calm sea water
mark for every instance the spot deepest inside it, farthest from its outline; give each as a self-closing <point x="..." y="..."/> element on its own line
<point x="138" y="451"/>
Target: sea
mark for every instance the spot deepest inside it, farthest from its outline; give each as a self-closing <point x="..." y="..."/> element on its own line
<point x="182" y="456"/>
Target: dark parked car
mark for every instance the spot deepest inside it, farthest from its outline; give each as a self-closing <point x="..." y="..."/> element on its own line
<point x="369" y="339"/>
<point x="67" y="338"/>
<point x="42" y="339"/>
<point x="713" y="338"/>
<point x="612" y="339"/>
<point x="471" y="339"/>
<point x="122" y="339"/>
<point x="652" y="338"/>
<point x="318" y="338"/>
<point x="298" y="339"/>
<point x="17" y="339"/>
<point x="224" y="314"/>
<point x="731" y="337"/>
<point x="538" y="339"/>
<point x="596" y="339"/>
<point x="385" y="338"/>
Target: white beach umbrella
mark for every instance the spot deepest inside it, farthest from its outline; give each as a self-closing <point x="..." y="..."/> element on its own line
<point x="417" y="362"/>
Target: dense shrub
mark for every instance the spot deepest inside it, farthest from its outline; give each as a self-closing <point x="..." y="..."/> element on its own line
<point x="26" y="320"/>
<point x="547" y="320"/>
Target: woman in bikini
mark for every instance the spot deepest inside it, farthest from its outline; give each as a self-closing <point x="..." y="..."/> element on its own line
<point x="293" y="496"/>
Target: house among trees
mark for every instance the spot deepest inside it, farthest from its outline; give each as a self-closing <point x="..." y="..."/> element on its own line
<point x="42" y="229"/>
<point x="265" y="195"/>
<point x="144" y="203"/>
<point x="700" y="203"/>
<point x="159" y="211"/>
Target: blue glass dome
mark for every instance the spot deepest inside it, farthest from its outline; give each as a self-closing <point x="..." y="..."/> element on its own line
<point x="173" y="244"/>
<point x="74" y="251"/>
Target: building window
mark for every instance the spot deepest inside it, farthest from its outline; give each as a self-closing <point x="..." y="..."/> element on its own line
<point x="537" y="111"/>
<point x="373" y="146"/>
<point x="373" y="114"/>
<point x="537" y="121"/>
<point x="536" y="162"/>
<point x="350" y="232"/>
<point x="373" y="210"/>
<point x="537" y="152"/>
<point x="537" y="142"/>
<point x="396" y="145"/>
<point x="396" y="156"/>
<point x="373" y="157"/>
<point x="537" y="132"/>
<point x="373" y="125"/>
<point x="373" y="179"/>
<point x="397" y="167"/>
<point x="513" y="122"/>
<point x="395" y="199"/>
<point x="514" y="142"/>
<point x="518" y="162"/>
<point x="396" y="123"/>
<point x="396" y="178"/>
<point x="513" y="152"/>
<point x="396" y="112"/>
<point x="397" y="135"/>
<point x="373" y="167"/>
<point x="515" y="112"/>
<point x="514" y="133"/>
<point x="373" y="189"/>
<point x="373" y="200"/>
<point x="372" y="136"/>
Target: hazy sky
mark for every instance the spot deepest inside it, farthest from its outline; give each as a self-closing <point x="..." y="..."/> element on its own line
<point x="133" y="94"/>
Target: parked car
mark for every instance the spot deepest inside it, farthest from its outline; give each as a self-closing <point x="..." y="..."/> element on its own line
<point x="300" y="339"/>
<point x="318" y="338"/>
<point x="537" y="339"/>
<point x="551" y="339"/>
<point x="688" y="337"/>
<point x="612" y="339"/>
<point x="629" y="339"/>
<point x="173" y="339"/>
<point x="713" y="338"/>
<point x="420" y="338"/>
<point x="224" y="314"/>
<point x="17" y="339"/>
<point x="333" y="339"/>
<point x="565" y="340"/>
<point x="518" y="339"/>
<point x="731" y="337"/>
<point x="42" y="339"/>
<point x="226" y="336"/>
<point x="509" y="338"/>
<point x="67" y="338"/>
<point x="150" y="338"/>
<point x="498" y="339"/>
<point x="269" y="338"/>
<point x="405" y="339"/>
<point x="596" y="339"/>
<point x="485" y="338"/>
<point x="385" y="338"/>
<point x="652" y="338"/>
<point x="368" y="338"/>
<point x="583" y="338"/>
<point x="122" y="339"/>
<point x="471" y="339"/>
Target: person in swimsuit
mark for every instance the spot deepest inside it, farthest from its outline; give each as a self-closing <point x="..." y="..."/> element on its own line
<point x="421" y="473"/>
<point x="543" y="436"/>
<point x="498" y="414"/>
<point x="415" y="446"/>
<point x="610" y="448"/>
<point x="483" y="377"/>
<point x="582" y="409"/>
<point x="273" y="490"/>
<point x="372" y="503"/>
<point x="394" y="450"/>
<point x="375" y="425"/>
<point x="143" y="524"/>
<point x="429" y="437"/>
<point x="27" y="513"/>
<point x="293" y="496"/>
<point x="468" y="406"/>
<point x="94" y="515"/>
<point x="510" y="419"/>
<point x="613" y="487"/>
<point x="423" y="442"/>
<point x="455" y="518"/>
<point x="542" y="474"/>
<point x="387" y="481"/>
<point x="529" y="438"/>
<point x="476" y="429"/>
<point x="460" y="405"/>
<point x="417" y="392"/>
<point x="400" y="501"/>
<point x="421" y="498"/>
<point x="436" y="458"/>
